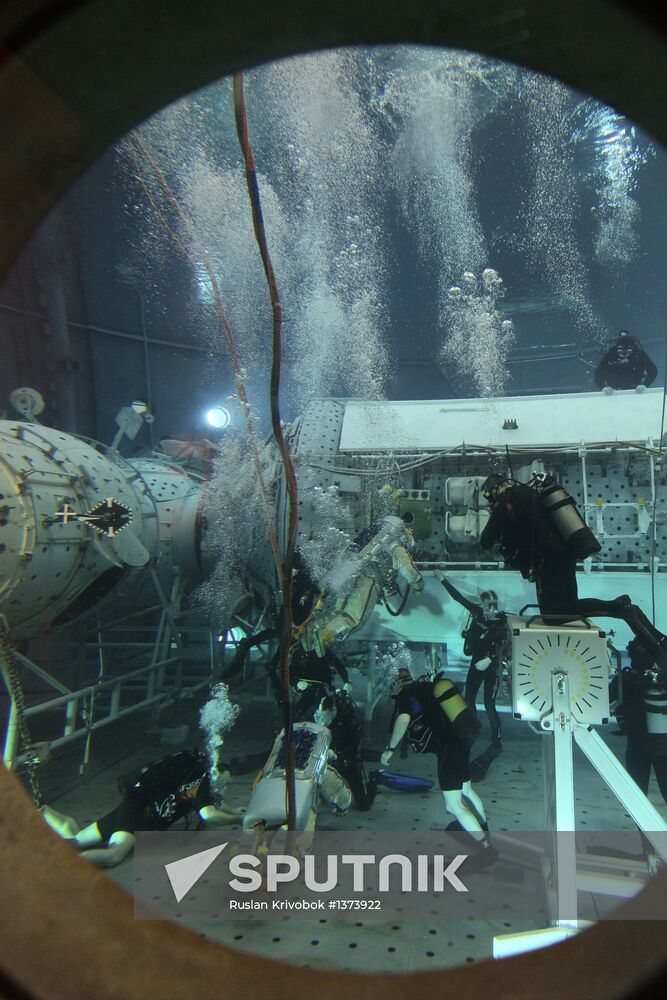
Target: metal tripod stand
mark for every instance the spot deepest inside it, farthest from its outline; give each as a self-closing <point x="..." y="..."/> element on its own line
<point x="560" y="681"/>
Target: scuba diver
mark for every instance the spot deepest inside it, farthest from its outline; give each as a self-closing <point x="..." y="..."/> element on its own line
<point x="313" y="677"/>
<point x="626" y="365"/>
<point x="304" y="595"/>
<point x="435" y="718"/>
<point x="644" y="701"/>
<point x="154" y="798"/>
<point x="484" y="639"/>
<point x="369" y="570"/>
<point x="539" y="531"/>
<point x="340" y="715"/>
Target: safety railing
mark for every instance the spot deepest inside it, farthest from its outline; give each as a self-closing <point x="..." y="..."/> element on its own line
<point x="99" y="704"/>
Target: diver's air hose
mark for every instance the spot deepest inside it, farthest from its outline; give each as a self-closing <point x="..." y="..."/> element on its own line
<point x="284" y="570"/>
<point x="404" y="601"/>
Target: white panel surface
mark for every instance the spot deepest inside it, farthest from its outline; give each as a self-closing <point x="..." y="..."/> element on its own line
<point x="564" y="420"/>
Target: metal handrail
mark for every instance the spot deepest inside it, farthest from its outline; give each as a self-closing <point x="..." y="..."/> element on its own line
<point x="90" y="688"/>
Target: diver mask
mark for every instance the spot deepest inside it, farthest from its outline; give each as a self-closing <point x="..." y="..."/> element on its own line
<point x="490" y="606"/>
<point x="492" y="487"/>
<point x="401" y="680"/>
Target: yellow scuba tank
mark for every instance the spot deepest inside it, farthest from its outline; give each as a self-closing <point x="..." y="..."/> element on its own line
<point x="457" y="710"/>
<point x="566" y="519"/>
<point x="450" y="699"/>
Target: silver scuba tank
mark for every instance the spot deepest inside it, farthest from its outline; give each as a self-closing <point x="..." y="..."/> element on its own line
<point x="565" y="517"/>
<point x="655" y="703"/>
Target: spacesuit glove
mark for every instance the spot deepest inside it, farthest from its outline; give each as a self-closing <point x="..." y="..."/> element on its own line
<point x="418" y="584"/>
<point x="386" y="757"/>
<point x="347" y="687"/>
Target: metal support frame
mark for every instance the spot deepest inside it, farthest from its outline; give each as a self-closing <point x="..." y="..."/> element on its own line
<point x="88" y="709"/>
<point x="628" y="793"/>
<point x="71" y="701"/>
<point x="251" y="628"/>
<point x="565" y="849"/>
<point x="569" y="878"/>
<point x="12" y="728"/>
<point x="612" y="772"/>
<point x="42" y="674"/>
<point x="115" y="686"/>
<point x="148" y="685"/>
<point x="570" y="873"/>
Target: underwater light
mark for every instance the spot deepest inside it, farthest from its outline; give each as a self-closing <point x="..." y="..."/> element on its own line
<point x="218" y="417"/>
<point x="233" y="637"/>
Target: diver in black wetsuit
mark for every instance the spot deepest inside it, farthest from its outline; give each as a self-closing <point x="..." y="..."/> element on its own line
<point x="303" y="666"/>
<point x="154" y="798"/>
<point x="523" y="532"/>
<point x="645" y="720"/>
<point x="484" y="639"/>
<point x="626" y="365"/>
<point x="339" y="713"/>
<point x="434" y="718"/>
<point x="313" y="678"/>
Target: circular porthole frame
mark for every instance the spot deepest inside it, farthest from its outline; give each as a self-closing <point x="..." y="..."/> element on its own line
<point x="76" y="75"/>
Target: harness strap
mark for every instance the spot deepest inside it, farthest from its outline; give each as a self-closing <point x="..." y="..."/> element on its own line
<point x="452" y="693"/>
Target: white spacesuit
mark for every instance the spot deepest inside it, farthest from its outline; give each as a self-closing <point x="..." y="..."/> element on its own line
<point x="313" y="778"/>
<point x="356" y="584"/>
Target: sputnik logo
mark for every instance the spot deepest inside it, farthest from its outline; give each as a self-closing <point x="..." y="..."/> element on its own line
<point x="278" y="869"/>
<point x="186" y="872"/>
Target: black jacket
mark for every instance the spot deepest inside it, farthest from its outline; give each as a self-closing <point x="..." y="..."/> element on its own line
<point x="637" y="370"/>
<point x="521" y="530"/>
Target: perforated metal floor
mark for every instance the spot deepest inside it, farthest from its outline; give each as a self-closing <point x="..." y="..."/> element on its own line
<point x="512" y="793"/>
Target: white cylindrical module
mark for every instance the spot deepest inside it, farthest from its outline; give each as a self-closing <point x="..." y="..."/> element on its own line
<point x="75" y="521"/>
<point x="176" y="498"/>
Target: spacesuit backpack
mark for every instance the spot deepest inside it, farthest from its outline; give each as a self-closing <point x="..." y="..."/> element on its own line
<point x="268" y="804"/>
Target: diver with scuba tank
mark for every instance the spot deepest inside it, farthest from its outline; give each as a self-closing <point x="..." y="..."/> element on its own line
<point x="485" y="637"/>
<point x="434" y="718"/>
<point x="539" y="531"/>
<point x="644" y="702"/>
